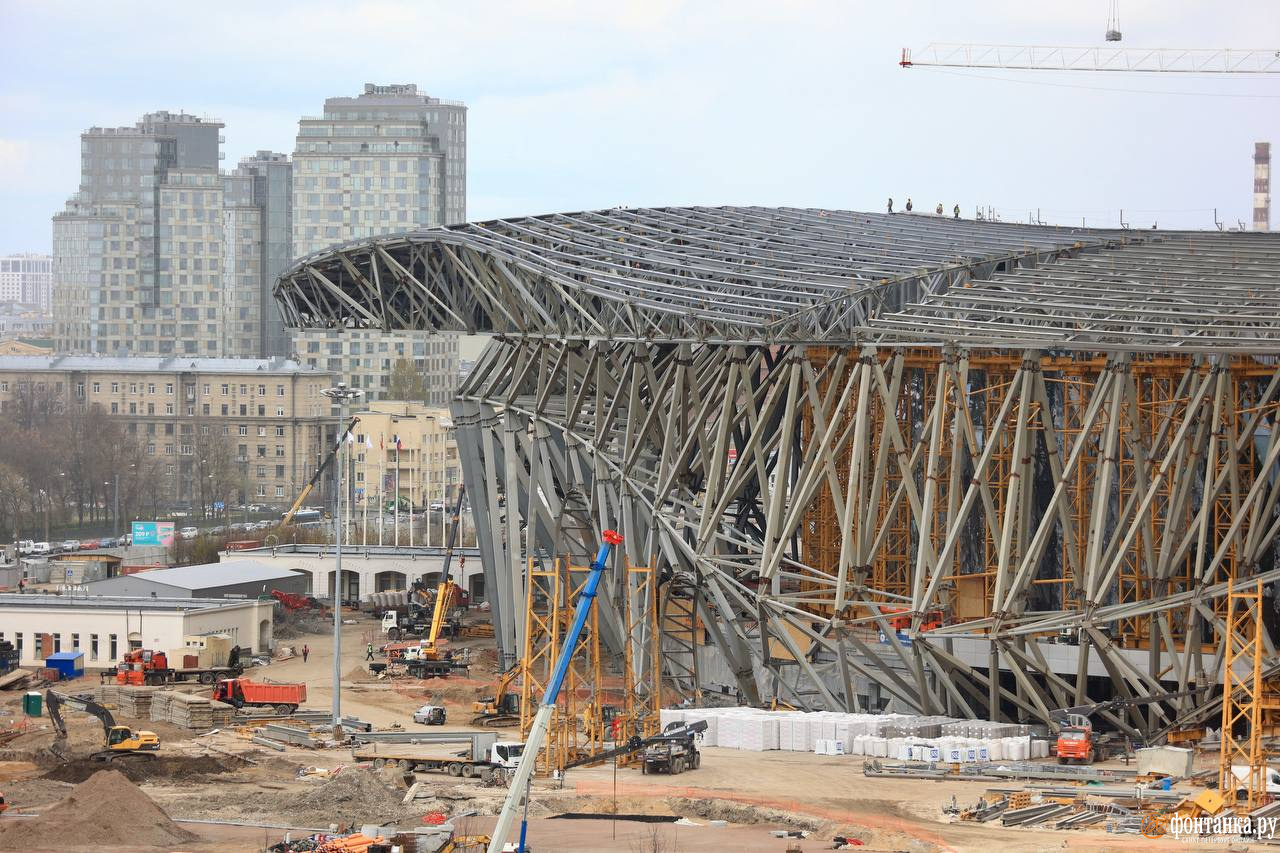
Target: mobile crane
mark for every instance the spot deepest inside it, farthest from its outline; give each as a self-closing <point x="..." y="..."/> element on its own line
<point x="542" y="720"/>
<point x="120" y="741"/>
<point x="287" y="518"/>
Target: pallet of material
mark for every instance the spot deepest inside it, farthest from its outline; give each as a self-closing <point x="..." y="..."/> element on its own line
<point x="222" y="714"/>
<point x="191" y="712"/>
<point x="14" y="680"/>
<point x="135" y="701"/>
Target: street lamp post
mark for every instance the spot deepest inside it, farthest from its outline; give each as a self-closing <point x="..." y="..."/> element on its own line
<point x="341" y="395"/>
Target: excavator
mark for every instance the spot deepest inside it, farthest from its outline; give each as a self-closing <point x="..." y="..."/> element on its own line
<point x="287" y="518"/>
<point x="120" y="741"/>
<point x="503" y="707"/>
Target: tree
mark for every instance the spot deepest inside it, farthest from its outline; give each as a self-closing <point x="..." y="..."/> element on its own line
<point x="216" y="468"/>
<point x="14" y="496"/>
<point x="406" y="382"/>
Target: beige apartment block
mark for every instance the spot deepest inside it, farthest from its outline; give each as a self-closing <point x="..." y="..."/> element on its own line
<point x="427" y="458"/>
<point x="234" y="430"/>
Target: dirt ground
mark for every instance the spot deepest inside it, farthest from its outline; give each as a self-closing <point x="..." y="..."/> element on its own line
<point x="224" y="776"/>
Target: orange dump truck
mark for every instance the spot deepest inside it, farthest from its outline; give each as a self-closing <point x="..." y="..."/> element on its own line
<point x="242" y="693"/>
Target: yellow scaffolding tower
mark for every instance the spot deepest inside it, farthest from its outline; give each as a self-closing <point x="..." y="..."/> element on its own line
<point x="1242" y="696"/>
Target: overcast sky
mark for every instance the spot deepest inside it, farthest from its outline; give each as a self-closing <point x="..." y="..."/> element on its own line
<point x="579" y="104"/>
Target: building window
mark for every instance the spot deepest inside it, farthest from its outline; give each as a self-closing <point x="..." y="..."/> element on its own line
<point x="115" y="388"/>
<point x="262" y="470"/>
<point x="226" y="389"/>
<point x="204" y="409"/>
<point x="75" y="642"/>
<point x="279" y="390"/>
<point x="80" y="390"/>
<point x="115" y="408"/>
<point x="168" y="469"/>
<point x="168" y="387"/>
<point x="168" y="450"/>
<point x="93" y="647"/>
<point x="226" y="410"/>
<point x="244" y="429"/>
<point x="262" y="390"/>
<point x="279" y="411"/>
<point x="279" y="471"/>
<point x="97" y="387"/>
<point x="262" y="451"/>
<point x="168" y="408"/>
<point x="186" y="450"/>
<point x="151" y="408"/>
<point x="151" y="387"/>
<point x="262" y="432"/>
<point x="280" y="450"/>
<point x="57" y="643"/>
<point x="279" y="432"/>
<point x="206" y="389"/>
<point x="113" y="648"/>
<point x="279" y="491"/>
<point x="17" y="643"/>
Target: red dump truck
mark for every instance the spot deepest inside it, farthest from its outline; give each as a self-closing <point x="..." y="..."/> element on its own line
<point x="242" y="693"/>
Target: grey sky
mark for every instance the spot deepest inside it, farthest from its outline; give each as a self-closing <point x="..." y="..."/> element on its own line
<point x="578" y="104"/>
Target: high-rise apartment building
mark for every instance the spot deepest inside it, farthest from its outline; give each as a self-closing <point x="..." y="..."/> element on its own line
<point x="160" y="253"/>
<point x="387" y="160"/>
<point x="27" y="279"/>
<point x="1262" y="186"/>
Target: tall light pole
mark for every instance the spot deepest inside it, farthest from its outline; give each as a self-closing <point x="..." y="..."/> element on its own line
<point x="341" y="395"/>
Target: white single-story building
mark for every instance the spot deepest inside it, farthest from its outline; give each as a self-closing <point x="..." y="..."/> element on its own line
<point x="231" y="578"/>
<point x="105" y="627"/>
<point x="371" y="568"/>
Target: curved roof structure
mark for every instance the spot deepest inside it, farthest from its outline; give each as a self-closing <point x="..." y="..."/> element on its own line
<point x="774" y="275"/>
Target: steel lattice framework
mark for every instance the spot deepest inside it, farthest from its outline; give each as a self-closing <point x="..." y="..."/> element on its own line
<point x="874" y="458"/>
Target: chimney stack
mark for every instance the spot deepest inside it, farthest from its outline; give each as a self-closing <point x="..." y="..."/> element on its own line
<point x="1262" y="186"/>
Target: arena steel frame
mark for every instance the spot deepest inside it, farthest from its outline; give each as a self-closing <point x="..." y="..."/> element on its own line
<point x="937" y="465"/>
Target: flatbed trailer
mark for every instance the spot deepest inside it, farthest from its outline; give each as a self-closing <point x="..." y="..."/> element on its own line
<point x="482" y="756"/>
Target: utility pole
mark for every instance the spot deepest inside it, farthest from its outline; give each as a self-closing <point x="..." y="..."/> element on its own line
<point x="340" y="395"/>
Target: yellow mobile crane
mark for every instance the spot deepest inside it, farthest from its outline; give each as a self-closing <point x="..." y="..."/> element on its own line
<point x="287" y="518"/>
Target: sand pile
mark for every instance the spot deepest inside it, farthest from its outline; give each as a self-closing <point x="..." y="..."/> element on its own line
<point x="160" y="769"/>
<point x="106" y="809"/>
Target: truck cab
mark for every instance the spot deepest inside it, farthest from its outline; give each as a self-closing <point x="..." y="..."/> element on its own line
<point x="1270" y="774"/>
<point x="506" y="753"/>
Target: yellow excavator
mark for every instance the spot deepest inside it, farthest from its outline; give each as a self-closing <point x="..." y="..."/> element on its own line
<point x="120" y="741"/>
<point x="503" y="707"/>
<point x="287" y="518"/>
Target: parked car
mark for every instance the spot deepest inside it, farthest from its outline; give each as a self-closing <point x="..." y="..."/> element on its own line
<point x="430" y="715"/>
<point x="125" y="540"/>
<point x="89" y="544"/>
<point x="24" y="547"/>
<point x="40" y="549"/>
<point x="217" y="530"/>
<point x="189" y="532"/>
<point x="69" y="544"/>
<point x="264" y="525"/>
<point x="437" y="506"/>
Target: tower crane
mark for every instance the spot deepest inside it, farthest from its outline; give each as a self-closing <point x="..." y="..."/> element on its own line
<point x="1161" y="60"/>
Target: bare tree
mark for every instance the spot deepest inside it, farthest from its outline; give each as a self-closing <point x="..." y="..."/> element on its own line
<point x="406" y="382"/>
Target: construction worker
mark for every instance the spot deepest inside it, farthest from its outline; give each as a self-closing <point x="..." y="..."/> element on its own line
<point x="368" y="655"/>
<point x="891" y="204"/>
<point x="938" y="210"/>
<point x="908" y="204"/>
<point x="955" y="211"/>
<point x="306" y="650"/>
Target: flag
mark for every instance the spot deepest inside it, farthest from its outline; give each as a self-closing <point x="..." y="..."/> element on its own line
<point x="351" y="439"/>
<point x="399" y="446"/>
<point x="380" y="446"/>
<point x="368" y="441"/>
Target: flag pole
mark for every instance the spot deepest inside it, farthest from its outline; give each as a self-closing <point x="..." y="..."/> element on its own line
<point x="412" y="469"/>
<point x="397" y="496"/>
<point x="382" y="483"/>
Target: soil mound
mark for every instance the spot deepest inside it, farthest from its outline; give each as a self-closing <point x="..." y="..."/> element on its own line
<point x="106" y="809"/>
<point x="161" y="769"/>
<point x="355" y="796"/>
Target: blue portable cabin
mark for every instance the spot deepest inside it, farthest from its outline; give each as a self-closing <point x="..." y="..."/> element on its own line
<point x="68" y="664"/>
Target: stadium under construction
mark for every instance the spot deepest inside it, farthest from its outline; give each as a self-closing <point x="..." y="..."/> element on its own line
<point x="867" y="460"/>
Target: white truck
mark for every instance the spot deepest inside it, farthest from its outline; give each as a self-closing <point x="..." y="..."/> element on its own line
<point x="1271" y="777"/>
<point x="484" y="756"/>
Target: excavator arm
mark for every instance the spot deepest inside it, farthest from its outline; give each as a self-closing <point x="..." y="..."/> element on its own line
<point x="54" y="701"/>
<point x="315" y="478"/>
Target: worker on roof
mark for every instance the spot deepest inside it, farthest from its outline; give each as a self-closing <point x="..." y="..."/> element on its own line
<point x="955" y="211"/>
<point x="908" y="204"/>
<point x="891" y="204"/>
<point x="938" y="210"/>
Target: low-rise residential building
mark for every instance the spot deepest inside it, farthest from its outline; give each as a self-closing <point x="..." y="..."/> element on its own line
<point x="247" y="430"/>
<point x="105" y="628"/>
